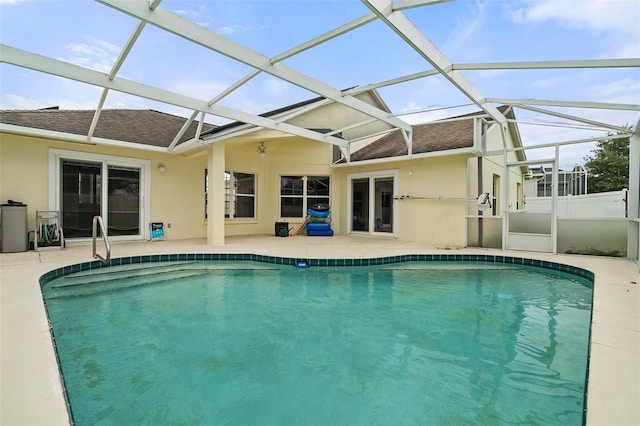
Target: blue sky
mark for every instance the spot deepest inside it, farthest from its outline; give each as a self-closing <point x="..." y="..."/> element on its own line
<point x="90" y="34"/>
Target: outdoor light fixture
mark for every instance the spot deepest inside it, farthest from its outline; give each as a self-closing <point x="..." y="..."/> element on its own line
<point x="162" y="168"/>
<point x="262" y="150"/>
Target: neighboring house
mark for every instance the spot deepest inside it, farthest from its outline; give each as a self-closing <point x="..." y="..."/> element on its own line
<point x="540" y="181"/>
<point x="241" y="179"/>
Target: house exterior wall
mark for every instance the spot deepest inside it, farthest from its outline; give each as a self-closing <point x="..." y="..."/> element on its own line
<point x="493" y="165"/>
<point x="439" y="193"/>
<point x="288" y="156"/>
<point x="177" y="196"/>
<point x="424" y="218"/>
<point x="487" y="232"/>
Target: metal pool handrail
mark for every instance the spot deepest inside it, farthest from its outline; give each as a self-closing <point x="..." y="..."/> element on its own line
<point x="98" y="220"/>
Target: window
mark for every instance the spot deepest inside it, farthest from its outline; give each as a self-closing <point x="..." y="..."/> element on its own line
<point x="496" y="195"/>
<point x="206" y="193"/>
<point x="239" y="195"/>
<point x="298" y="193"/>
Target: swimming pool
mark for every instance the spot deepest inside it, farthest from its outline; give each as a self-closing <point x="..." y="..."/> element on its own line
<point x="486" y="340"/>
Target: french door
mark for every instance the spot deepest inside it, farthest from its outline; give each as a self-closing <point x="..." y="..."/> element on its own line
<point x="112" y="187"/>
<point x="371" y="204"/>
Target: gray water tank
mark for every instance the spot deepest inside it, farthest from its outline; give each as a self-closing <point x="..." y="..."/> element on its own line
<point x="13" y="228"/>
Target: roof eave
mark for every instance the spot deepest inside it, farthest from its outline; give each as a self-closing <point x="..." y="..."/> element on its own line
<point x="74" y="138"/>
<point x="405" y="157"/>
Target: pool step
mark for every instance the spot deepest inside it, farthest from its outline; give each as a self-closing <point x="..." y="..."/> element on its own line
<point x="119" y="284"/>
<point x="146" y="269"/>
<point x="122" y="277"/>
<point x="116" y="272"/>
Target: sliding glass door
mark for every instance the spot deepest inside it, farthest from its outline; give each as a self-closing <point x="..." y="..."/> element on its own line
<point x="371" y="203"/>
<point x="81" y="196"/>
<point x="383" y="203"/>
<point x="360" y="204"/>
<point x="123" y="207"/>
<point x="92" y="185"/>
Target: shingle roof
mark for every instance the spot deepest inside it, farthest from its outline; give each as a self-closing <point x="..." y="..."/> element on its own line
<point x="268" y="114"/>
<point x="147" y="127"/>
<point x="281" y="110"/>
<point x="430" y="137"/>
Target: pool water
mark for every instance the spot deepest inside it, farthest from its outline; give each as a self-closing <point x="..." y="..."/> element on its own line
<point x="255" y="343"/>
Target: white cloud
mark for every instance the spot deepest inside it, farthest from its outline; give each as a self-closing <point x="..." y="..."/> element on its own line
<point x="551" y="129"/>
<point x="617" y="19"/>
<point x="595" y="15"/>
<point x="234" y="29"/>
<point x="466" y="27"/>
<point x="12" y="101"/>
<point x="547" y="83"/>
<point x="276" y="87"/>
<point x="99" y="56"/>
<point x="199" y="89"/>
<point x="195" y="15"/>
<point x="622" y="91"/>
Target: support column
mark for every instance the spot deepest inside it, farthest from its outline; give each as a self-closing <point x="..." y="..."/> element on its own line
<point x="633" y="196"/>
<point x="215" y="209"/>
<point x="554" y="202"/>
<point x="504" y="200"/>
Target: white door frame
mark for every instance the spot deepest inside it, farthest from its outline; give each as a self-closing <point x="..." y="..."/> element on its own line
<point x="372" y="176"/>
<point x="55" y="155"/>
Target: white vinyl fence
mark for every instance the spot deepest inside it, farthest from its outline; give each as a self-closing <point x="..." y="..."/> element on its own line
<point x="600" y="205"/>
<point x="587" y="224"/>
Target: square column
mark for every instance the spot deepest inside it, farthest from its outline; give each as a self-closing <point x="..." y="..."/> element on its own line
<point x="633" y="196"/>
<point x="216" y="195"/>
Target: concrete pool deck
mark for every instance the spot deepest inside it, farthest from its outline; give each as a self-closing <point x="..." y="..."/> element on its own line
<point x="30" y="387"/>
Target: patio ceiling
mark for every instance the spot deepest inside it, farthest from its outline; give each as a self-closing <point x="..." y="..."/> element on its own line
<point x="392" y="15"/>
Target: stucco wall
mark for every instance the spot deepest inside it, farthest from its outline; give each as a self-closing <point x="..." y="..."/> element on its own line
<point x="24" y="173"/>
<point x="177" y="196"/>
<point x="287" y="156"/>
<point x="493" y="165"/>
<point x="440" y="222"/>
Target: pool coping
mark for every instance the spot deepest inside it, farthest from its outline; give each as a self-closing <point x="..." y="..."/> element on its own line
<point x="315" y="262"/>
